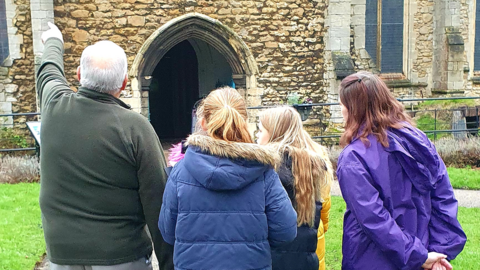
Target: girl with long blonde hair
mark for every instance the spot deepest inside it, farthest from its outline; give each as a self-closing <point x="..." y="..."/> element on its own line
<point x="224" y="205"/>
<point x="306" y="173"/>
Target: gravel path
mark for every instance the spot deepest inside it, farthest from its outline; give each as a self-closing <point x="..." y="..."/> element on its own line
<point x="466" y="198"/>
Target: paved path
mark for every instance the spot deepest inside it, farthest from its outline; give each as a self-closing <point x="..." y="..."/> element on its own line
<point x="466" y="198"/>
<point x="154" y="262"/>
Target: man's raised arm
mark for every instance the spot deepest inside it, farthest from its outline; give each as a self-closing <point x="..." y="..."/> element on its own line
<point x="51" y="81"/>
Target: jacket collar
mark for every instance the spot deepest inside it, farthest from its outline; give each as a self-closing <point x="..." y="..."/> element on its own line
<point x="101" y="97"/>
<point x="235" y="150"/>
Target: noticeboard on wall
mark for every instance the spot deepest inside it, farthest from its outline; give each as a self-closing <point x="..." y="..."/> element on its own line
<point x="34" y="127"/>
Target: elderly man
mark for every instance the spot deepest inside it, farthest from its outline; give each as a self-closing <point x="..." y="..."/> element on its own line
<point x="102" y="165"/>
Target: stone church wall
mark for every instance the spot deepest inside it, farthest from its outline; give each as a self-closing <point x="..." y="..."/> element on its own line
<point x="422" y="42"/>
<point x="285" y="37"/>
<point x="293" y="42"/>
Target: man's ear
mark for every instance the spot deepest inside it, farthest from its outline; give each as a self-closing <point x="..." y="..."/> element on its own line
<point x="78" y="73"/>
<point x="124" y="84"/>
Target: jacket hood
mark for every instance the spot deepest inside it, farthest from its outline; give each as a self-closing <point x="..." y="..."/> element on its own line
<point x="417" y="155"/>
<point x="221" y="165"/>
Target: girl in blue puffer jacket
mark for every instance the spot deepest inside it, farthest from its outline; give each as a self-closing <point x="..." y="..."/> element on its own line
<point x="224" y="206"/>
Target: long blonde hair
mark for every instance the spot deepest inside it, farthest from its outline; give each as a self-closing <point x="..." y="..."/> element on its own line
<point x="225" y="114"/>
<point x="311" y="167"/>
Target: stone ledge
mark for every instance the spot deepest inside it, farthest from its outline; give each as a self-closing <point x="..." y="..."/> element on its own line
<point x="403" y="83"/>
<point x="447" y="92"/>
<point x="476" y="80"/>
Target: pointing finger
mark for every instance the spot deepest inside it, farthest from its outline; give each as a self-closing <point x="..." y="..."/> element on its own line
<point x="52" y="26"/>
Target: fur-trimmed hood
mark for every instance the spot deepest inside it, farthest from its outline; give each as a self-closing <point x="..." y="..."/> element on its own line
<point x="234" y="150"/>
<point x="220" y="165"/>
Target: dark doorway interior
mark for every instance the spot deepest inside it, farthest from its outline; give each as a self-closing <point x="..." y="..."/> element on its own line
<point x="173" y="92"/>
<point x="472" y="123"/>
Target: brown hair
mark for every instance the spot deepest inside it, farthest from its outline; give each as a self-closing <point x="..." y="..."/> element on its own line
<point x="371" y="108"/>
<point x="311" y="167"/>
<point x="225" y="114"/>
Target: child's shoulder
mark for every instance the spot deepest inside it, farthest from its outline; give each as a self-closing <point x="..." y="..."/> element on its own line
<point x="270" y="175"/>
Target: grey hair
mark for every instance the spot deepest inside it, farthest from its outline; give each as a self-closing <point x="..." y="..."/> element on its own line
<point x="103" y="67"/>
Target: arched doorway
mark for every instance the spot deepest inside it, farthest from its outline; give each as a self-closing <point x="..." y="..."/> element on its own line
<point x="184" y="75"/>
<point x="210" y="39"/>
<point x="173" y="91"/>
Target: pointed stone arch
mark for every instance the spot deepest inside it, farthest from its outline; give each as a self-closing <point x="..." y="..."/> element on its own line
<point x="194" y="26"/>
<point x="199" y="26"/>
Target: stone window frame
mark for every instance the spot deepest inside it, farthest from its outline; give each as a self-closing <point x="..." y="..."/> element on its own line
<point x="474" y="28"/>
<point x="359" y="11"/>
<point x="473" y="74"/>
<point x="4" y="50"/>
<point x="14" y="40"/>
<point x="382" y="38"/>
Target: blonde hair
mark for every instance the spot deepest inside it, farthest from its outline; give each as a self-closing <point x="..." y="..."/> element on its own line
<point x="311" y="167"/>
<point x="225" y="114"/>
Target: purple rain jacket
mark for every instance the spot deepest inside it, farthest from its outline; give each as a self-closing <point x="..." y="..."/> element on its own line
<point x="400" y="203"/>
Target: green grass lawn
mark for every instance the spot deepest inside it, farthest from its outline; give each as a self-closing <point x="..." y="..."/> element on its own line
<point x="427" y="122"/>
<point x="333" y="237"/>
<point x="464" y="178"/>
<point x="22" y="243"/>
<point x="467" y="260"/>
<point x="21" y="235"/>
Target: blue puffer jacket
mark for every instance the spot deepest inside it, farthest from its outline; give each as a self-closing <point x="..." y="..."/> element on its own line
<point x="224" y="206"/>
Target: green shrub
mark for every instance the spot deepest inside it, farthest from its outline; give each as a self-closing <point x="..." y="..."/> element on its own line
<point x="293" y="98"/>
<point x="9" y="138"/>
<point x="459" y="153"/>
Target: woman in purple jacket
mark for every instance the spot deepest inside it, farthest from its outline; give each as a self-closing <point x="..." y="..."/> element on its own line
<point x="401" y="210"/>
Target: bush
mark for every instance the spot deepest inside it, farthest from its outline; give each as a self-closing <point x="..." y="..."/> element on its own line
<point x="12" y="139"/>
<point x="460" y="153"/>
<point x="19" y="169"/>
